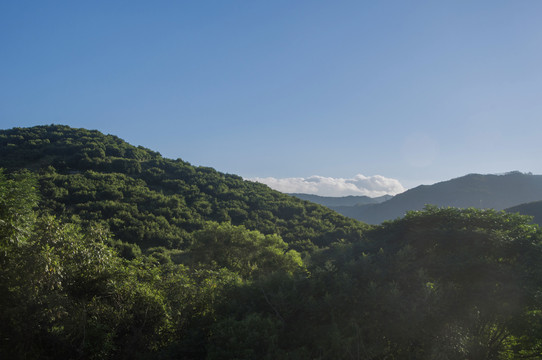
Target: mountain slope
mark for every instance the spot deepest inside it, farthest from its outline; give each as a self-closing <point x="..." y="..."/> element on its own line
<point x="473" y="190"/>
<point x="351" y="200"/>
<point x="407" y="288"/>
<point x="153" y="201"/>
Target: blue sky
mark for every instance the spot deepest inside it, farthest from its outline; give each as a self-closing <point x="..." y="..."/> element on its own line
<point x="413" y="91"/>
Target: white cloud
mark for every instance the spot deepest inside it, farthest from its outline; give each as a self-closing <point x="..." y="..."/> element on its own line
<point x="372" y="186"/>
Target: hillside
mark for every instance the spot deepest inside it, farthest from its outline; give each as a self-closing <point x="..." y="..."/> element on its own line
<point x="184" y="276"/>
<point x="351" y="200"/>
<point x="473" y="190"/>
<point x="440" y="283"/>
<point x="151" y="201"/>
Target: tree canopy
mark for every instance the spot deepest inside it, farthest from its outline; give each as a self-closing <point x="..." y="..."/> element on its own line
<point x="99" y="264"/>
<point x="151" y="201"/>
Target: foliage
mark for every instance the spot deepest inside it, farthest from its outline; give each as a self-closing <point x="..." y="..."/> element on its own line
<point x="437" y="284"/>
<point x="17" y="200"/>
<point x="247" y="253"/>
<point x="67" y="294"/>
<point x="152" y="201"/>
<point x="129" y="268"/>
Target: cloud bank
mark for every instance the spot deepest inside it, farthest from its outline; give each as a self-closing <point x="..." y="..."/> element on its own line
<point x="371" y="186"/>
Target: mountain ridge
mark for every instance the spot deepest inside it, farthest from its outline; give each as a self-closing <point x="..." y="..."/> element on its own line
<point x="350" y="200"/>
<point x="472" y="190"/>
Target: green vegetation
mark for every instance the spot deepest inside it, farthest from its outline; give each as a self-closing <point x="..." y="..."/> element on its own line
<point x="67" y="294"/>
<point x="103" y="264"/>
<point x="149" y="201"/>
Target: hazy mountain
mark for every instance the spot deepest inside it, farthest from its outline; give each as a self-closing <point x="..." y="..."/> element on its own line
<point x="473" y="190"/>
<point x="351" y="200"/>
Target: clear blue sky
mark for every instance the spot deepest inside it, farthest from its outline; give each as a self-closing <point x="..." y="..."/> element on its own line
<point x="419" y="91"/>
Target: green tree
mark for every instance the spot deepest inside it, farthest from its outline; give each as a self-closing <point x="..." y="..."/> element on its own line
<point x="248" y="253"/>
<point x="18" y="198"/>
<point x="66" y="294"/>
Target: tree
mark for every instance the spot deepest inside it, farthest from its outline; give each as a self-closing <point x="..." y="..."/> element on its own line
<point x="480" y="267"/>
<point x="65" y="293"/>
<point x="248" y="253"/>
<point x="18" y="197"/>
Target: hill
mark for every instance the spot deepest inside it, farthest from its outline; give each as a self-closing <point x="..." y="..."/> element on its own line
<point x="474" y="190"/>
<point x="152" y="201"/>
<point x="440" y="283"/>
<point x="443" y="282"/>
<point x="351" y="200"/>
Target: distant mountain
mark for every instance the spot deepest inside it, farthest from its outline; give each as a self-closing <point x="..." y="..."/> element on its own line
<point x="533" y="209"/>
<point x="351" y="200"/>
<point x="474" y="190"/>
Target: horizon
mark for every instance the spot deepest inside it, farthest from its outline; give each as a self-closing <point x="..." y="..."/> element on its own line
<point x="349" y="99"/>
<point x="317" y="186"/>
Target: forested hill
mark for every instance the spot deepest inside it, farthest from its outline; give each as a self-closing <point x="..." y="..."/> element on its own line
<point x="474" y="190"/>
<point x="442" y="283"/>
<point x="153" y="201"/>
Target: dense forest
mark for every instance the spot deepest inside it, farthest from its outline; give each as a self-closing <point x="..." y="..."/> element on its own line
<point x="110" y="251"/>
<point x="154" y="202"/>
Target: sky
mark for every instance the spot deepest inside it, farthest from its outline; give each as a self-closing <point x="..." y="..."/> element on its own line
<point x="327" y="97"/>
